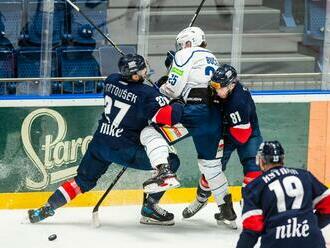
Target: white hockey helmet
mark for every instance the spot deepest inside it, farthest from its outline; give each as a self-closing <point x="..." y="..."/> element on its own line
<point x="193" y="34"/>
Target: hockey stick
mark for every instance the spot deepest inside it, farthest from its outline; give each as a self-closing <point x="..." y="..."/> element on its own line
<point x="96" y="220"/>
<point x="104" y="35"/>
<point x="196" y="13"/>
<point x="94" y="25"/>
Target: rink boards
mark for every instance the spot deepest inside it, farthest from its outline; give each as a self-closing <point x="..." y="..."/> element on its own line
<point x="42" y="142"/>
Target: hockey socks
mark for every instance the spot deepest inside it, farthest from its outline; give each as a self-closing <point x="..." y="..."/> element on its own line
<point x="203" y="194"/>
<point x="215" y="178"/>
<point x="64" y="194"/>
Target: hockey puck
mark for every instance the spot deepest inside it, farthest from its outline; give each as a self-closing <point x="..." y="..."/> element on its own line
<point x="52" y="237"/>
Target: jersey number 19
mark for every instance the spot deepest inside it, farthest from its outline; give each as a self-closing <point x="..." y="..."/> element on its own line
<point x="292" y="188"/>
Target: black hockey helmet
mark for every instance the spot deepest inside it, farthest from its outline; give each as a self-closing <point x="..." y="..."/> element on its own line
<point x="271" y="152"/>
<point x="130" y="64"/>
<point x="223" y="76"/>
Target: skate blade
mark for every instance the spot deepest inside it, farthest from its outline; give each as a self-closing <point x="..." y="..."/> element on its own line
<point x="169" y="183"/>
<point x="149" y="221"/>
<point x="228" y="223"/>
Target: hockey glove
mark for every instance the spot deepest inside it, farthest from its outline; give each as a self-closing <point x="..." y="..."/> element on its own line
<point x="169" y="59"/>
<point x="161" y="81"/>
<point x="177" y="100"/>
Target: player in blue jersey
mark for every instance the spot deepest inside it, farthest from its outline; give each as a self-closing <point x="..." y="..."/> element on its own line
<point x="279" y="205"/>
<point x="123" y="129"/>
<point x="241" y="132"/>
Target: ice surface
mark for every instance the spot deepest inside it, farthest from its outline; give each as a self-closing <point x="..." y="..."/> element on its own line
<point x="120" y="228"/>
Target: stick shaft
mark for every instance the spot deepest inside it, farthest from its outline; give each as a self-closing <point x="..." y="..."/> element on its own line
<point x="94" y="25"/>
<point x="101" y="32"/>
<point x="196" y="14"/>
<point x="96" y="208"/>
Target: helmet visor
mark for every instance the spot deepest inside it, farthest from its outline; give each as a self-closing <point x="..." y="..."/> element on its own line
<point x="215" y="85"/>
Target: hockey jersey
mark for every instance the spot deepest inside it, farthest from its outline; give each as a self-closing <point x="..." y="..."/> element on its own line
<point x="191" y="68"/>
<point x="278" y="206"/>
<point x="129" y="107"/>
<point x="240" y="117"/>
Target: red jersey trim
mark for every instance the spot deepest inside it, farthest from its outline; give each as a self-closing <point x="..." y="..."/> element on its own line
<point x="241" y="133"/>
<point x="254" y="221"/>
<point x="163" y="116"/>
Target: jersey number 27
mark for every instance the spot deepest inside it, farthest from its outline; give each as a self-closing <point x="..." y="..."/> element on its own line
<point x="123" y="108"/>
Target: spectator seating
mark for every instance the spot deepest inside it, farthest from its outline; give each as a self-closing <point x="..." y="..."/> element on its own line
<point x="109" y="57"/>
<point x="10" y="22"/>
<point x="79" y="62"/>
<point x="35" y="17"/>
<point x="77" y="46"/>
<point x="28" y="65"/>
<point x="82" y="33"/>
<point x="314" y="21"/>
<point x="7" y="71"/>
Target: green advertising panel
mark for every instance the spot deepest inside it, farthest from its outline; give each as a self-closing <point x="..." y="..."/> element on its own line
<point x="41" y="147"/>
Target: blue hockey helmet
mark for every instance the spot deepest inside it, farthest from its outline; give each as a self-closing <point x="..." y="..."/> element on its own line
<point x="130" y="64"/>
<point x="271" y="152"/>
<point x="223" y="76"/>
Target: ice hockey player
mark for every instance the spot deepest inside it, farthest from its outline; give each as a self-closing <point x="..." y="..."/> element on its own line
<point x="188" y="79"/>
<point x="241" y="131"/>
<point x="279" y="205"/>
<point x="123" y="128"/>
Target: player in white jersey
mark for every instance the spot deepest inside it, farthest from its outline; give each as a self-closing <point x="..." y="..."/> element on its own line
<point x="188" y="80"/>
<point x="192" y="67"/>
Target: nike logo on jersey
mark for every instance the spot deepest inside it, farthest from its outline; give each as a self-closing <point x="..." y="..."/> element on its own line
<point x="111" y="130"/>
<point x="293" y="229"/>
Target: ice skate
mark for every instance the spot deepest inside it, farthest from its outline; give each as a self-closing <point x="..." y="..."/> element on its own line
<point x="37" y="215"/>
<point x="198" y="204"/>
<point x="153" y="214"/>
<point x="227" y="214"/>
<point x="164" y="179"/>
<point x="193" y="208"/>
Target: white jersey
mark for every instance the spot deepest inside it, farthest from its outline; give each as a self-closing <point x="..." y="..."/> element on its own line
<point x="191" y="68"/>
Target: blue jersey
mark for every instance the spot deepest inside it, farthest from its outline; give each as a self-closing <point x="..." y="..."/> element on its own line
<point x="240" y="117"/>
<point x="279" y="205"/>
<point x="129" y="107"/>
<point x="241" y="131"/>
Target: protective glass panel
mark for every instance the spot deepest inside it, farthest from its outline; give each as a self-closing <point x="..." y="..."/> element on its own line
<point x="274" y="45"/>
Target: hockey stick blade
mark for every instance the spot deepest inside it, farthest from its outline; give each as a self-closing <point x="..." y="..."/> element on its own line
<point x="96" y="220"/>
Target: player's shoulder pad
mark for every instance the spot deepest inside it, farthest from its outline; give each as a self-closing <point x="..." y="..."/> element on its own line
<point x="183" y="56"/>
<point x="114" y="77"/>
<point x="241" y="94"/>
<point x="149" y="90"/>
<point x="242" y="88"/>
<point x="256" y="183"/>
